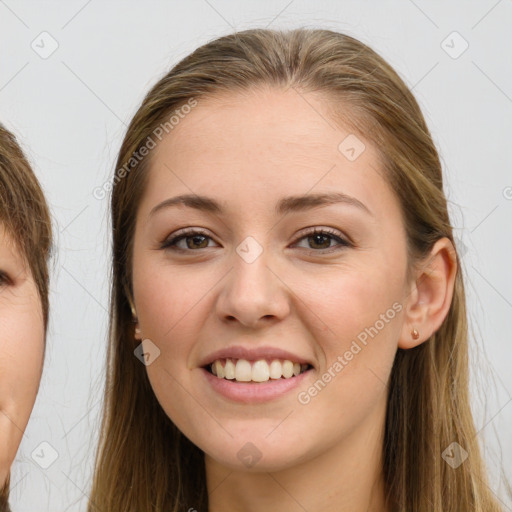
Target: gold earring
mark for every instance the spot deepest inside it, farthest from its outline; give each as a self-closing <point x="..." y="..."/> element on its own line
<point x="415" y="334"/>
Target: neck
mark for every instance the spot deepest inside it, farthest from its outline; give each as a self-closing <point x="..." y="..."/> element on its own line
<point x="345" y="478"/>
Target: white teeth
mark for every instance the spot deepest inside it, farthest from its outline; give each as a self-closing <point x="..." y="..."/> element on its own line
<point x="275" y="369"/>
<point x="260" y="371"/>
<point x="219" y="369"/>
<point x="287" y="369"/>
<point x="242" y="370"/>
<point x="229" y="370"/>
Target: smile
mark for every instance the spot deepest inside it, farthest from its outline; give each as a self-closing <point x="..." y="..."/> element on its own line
<point x="261" y="370"/>
<point x="269" y="387"/>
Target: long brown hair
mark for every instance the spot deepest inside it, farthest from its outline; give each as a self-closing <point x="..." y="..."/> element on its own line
<point x="26" y="217"/>
<point x="143" y="461"/>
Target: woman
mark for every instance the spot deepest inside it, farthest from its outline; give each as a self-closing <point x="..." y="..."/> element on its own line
<point x="25" y="242"/>
<point x="288" y="319"/>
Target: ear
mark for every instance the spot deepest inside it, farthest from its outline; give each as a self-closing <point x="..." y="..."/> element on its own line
<point x="138" y="335"/>
<point x="430" y="294"/>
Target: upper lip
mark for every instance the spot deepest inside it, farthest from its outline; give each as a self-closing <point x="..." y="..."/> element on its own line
<point x="252" y="354"/>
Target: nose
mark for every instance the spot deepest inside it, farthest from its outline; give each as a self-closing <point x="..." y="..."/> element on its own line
<point x="253" y="293"/>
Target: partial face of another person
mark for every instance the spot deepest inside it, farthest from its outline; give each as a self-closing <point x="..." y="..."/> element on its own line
<point x="21" y="348"/>
<point x="256" y="276"/>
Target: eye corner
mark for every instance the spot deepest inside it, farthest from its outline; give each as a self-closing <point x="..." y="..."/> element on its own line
<point x="5" y="280"/>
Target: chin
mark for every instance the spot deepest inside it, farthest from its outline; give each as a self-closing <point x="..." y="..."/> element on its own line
<point x="254" y="456"/>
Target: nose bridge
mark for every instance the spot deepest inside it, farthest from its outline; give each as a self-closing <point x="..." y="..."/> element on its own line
<point x="252" y="290"/>
<point x="251" y="272"/>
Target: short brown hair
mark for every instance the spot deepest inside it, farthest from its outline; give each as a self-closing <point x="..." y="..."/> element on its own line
<point x="26" y="217"/>
<point x="24" y="213"/>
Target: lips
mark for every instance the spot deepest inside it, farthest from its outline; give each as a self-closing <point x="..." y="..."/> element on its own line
<point x="252" y="392"/>
<point x="254" y="374"/>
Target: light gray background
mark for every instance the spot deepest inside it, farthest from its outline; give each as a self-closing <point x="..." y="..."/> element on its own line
<point x="70" y="110"/>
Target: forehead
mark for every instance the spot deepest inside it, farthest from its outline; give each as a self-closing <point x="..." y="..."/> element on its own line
<point x="287" y="122"/>
<point x="256" y="145"/>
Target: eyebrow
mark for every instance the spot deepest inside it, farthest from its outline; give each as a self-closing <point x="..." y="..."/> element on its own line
<point x="285" y="205"/>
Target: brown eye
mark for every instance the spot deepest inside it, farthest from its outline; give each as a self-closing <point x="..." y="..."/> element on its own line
<point x="194" y="239"/>
<point x="320" y="240"/>
<point x="197" y="241"/>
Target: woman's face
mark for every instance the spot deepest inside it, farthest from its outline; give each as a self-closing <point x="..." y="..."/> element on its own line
<point x="21" y="348"/>
<point x="259" y="285"/>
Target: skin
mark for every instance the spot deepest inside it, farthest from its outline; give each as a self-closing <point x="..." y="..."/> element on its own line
<point x="21" y="348"/>
<point x="248" y="151"/>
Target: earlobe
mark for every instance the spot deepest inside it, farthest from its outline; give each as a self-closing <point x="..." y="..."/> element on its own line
<point x="431" y="295"/>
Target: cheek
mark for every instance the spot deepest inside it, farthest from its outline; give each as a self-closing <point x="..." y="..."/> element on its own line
<point x="21" y="359"/>
<point x="355" y="319"/>
<point x="171" y="308"/>
<point x="166" y="298"/>
<point x="170" y="313"/>
<point x="345" y="303"/>
<point x="22" y="339"/>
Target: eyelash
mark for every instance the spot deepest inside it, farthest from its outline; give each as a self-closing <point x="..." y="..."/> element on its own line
<point x="170" y="243"/>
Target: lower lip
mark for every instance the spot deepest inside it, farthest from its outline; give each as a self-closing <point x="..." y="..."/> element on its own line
<point x="253" y="392"/>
